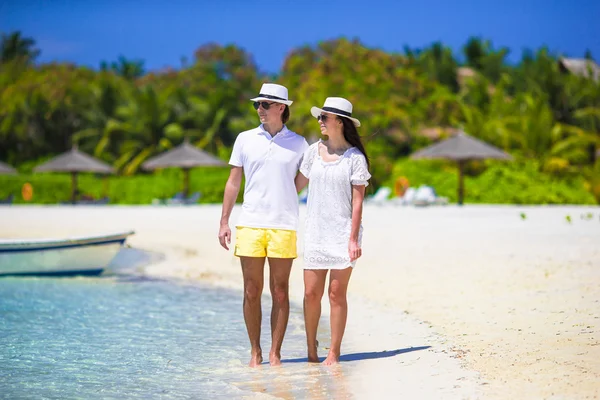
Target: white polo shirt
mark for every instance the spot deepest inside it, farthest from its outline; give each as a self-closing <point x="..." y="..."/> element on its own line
<point x="270" y="165"/>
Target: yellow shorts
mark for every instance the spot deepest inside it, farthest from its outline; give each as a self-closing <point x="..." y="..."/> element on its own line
<point x="263" y="242"/>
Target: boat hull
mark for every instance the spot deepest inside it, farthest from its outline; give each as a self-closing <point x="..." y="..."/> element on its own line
<point x="76" y="256"/>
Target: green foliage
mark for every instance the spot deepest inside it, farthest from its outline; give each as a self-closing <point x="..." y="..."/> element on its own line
<point x="593" y="181"/>
<point x="539" y="112"/>
<point x="138" y="189"/>
<point x="16" y="47"/>
<point x="128" y="69"/>
<point x="518" y="182"/>
<point x="523" y="216"/>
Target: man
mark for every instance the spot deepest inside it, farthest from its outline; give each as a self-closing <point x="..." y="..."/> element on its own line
<point x="269" y="157"/>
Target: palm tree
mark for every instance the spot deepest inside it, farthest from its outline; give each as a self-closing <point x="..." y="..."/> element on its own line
<point x="475" y="51"/>
<point x="480" y="55"/>
<point x="438" y="63"/>
<point x="147" y="126"/>
<point x="128" y="69"/>
<point x="588" y="55"/>
<point x="201" y="120"/>
<point x="101" y="121"/>
<point x="14" y="46"/>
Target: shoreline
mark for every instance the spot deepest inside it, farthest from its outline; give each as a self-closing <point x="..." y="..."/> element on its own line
<point x="378" y="364"/>
<point x="510" y="304"/>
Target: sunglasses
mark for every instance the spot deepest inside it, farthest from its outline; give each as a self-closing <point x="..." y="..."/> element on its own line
<point x="264" y="105"/>
<point x="322" y="117"/>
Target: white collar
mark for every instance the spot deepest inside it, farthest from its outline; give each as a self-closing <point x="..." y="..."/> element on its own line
<point x="284" y="131"/>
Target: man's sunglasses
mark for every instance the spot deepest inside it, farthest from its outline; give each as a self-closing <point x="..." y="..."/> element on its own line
<point x="264" y="105"/>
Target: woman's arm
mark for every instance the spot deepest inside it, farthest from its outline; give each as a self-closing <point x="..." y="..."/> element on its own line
<point x="358" y="195"/>
<point x="301" y="181"/>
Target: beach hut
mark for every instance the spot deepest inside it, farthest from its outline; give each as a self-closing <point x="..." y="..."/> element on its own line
<point x="75" y="162"/>
<point x="581" y="67"/>
<point x="461" y="148"/>
<point x="185" y="156"/>
<point x="6" y="169"/>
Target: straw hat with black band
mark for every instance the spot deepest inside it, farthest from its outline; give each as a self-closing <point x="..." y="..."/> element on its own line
<point x="338" y="106"/>
<point x="273" y="92"/>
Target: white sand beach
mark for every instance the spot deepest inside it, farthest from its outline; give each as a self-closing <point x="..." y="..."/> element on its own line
<point x="447" y="302"/>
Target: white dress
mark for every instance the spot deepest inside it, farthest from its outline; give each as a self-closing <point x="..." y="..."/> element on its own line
<point x="329" y="206"/>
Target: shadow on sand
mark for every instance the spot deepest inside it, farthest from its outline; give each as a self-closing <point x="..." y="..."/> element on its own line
<point x="364" y="356"/>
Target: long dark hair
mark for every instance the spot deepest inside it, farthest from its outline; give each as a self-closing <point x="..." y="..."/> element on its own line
<point x="351" y="135"/>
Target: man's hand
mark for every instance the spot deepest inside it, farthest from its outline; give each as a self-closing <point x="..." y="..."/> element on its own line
<point x="232" y="188"/>
<point x="225" y="236"/>
<point x="354" y="250"/>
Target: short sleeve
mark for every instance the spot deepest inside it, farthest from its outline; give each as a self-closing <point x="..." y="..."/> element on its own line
<point x="304" y="148"/>
<point x="360" y="171"/>
<point x="307" y="160"/>
<point x="236" y="155"/>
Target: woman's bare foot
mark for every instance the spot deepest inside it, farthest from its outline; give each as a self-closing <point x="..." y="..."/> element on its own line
<point x="274" y="359"/>
<point x="255" y="360"/>
<point x="332" y="359"/>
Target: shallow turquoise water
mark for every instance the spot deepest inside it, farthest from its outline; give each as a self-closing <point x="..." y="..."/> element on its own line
<point x="131" y="337"/>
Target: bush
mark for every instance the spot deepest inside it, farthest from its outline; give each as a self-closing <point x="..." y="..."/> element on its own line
<point x="516" y="182"/>
<point x="139" y="189"/>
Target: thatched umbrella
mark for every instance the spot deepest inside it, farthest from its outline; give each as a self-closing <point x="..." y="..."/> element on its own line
<point x="461" y="148"/>
<point x="6" y="169"/>
<point x="75" y="161"/>
<point x="184" y="156"/>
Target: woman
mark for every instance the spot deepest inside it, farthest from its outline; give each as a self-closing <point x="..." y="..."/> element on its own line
<point x="337" y="172"/>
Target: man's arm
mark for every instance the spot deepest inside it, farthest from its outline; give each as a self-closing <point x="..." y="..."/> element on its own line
<point x="232" y="188"/>
<point x="301" y="181"/>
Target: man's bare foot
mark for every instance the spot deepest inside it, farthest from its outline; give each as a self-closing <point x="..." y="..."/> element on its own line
<point x="255" y="360"/>
<point x="331" y="359"/>
<point x="274" y="359"/>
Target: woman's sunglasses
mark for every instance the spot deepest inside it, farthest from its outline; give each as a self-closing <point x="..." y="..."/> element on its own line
<point x="264" y="105"/>
<point x="322" y="117"/>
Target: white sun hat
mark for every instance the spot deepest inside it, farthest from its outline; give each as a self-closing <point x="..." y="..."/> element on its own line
<point x="273" y="92"/>
<point x="338" y="106"/>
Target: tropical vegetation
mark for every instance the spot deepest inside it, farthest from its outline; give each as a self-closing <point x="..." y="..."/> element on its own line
<point x="546" y="117"/>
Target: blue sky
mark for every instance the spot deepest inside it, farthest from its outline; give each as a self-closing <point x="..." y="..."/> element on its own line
<point x="161" y="32"/>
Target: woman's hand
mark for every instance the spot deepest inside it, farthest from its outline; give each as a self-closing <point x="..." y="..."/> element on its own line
<point x="354" y="250"/>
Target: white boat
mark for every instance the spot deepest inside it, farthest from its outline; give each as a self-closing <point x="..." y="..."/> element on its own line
<point x="83" y="255"/>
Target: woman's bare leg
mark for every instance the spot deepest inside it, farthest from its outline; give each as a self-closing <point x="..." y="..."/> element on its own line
<point x="338" y="288"/>
<point x="314" y="287"/>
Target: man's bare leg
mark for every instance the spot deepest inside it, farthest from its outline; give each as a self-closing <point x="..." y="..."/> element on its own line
<point x="338" y="288"/>
<point x="314" y="287"/>
<point x="279" y="284"/>
<point x="253" y="272"/>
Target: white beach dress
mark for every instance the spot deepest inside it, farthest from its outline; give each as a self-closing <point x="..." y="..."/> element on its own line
<point x="329" y="206"/>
